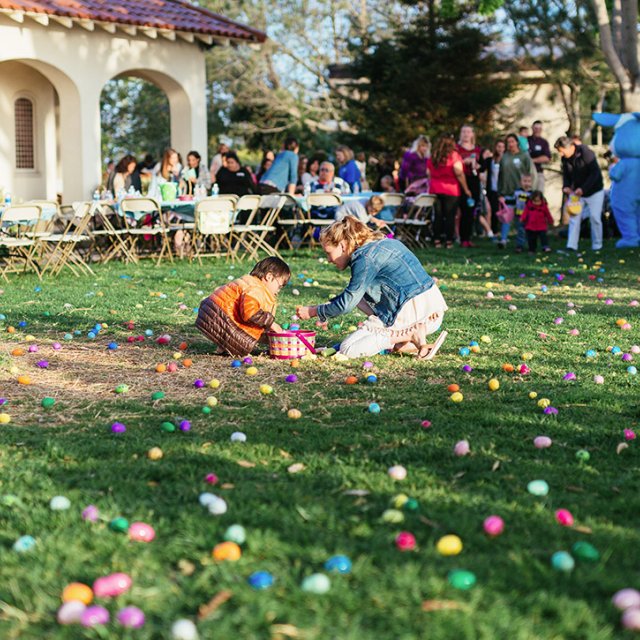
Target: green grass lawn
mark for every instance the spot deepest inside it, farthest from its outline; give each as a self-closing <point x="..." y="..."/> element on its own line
<point x="335" y="504"/>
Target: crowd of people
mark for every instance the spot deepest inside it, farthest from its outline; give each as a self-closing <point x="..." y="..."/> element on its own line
<point x="479" y="191"/>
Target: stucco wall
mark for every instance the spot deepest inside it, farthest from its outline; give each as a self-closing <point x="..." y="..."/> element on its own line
<point x="78" y="63"/>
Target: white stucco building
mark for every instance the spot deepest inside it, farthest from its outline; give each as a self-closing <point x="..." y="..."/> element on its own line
<point x="57" y="55"/>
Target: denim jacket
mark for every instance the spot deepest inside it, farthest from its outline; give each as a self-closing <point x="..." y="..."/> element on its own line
<point x="386" y="274"/>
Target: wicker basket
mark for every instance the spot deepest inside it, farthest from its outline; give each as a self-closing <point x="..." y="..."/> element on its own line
<point x="288" y="345"/>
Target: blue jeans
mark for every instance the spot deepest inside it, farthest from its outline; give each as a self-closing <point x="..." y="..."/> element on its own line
<point x="521" y="236"/>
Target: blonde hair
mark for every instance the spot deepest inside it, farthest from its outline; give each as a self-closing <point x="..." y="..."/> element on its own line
<point x="348" y="152"/>
<point x="350" y="231"/>
<point x="166" y="161"/>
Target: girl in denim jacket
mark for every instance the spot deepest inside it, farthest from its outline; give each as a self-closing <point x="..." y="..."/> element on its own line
<point x="389" y="285"/>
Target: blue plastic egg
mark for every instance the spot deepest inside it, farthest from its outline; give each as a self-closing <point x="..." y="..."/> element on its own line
<point x="68" y="336"/>
<point x="372" y="379"/>
<point x="474" y="343"/>
<point x="562" y="561"/>
<point x="113" y="346"/>
<point x="616" y="350"/>
<point x="236" y="364"/>
<point x="340" y="564"/>
<point x="22" y="324"/>
<point x="91" y="335"/>
<point x="544" y="288"/>
<point x="591" y="353"/>
<point x="632" y="370"/>
<point x="464" y="351"/>
<point x="148" y="332"/>
<point x="374" y="407"/>
<point x="24" y="543"/>
<point x="260" y="580"/>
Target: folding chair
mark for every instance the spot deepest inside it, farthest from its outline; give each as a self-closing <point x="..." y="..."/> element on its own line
<point x="320" y="199"/>
<point x="50" y="213"/>
<point x="213" y="217"/>
<point x="134" y="211"/>
<point x="252" y="237"/>
<point x="18" y="242"/>
<point x="417" y="222"/>
<point x="394" y="201"/>
<point x="62" y="249"/>
<point x="107" y="240"/>
<point x="291" y="216"/>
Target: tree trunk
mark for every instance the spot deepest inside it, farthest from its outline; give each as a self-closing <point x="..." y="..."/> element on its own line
<point x="628" y="76"/>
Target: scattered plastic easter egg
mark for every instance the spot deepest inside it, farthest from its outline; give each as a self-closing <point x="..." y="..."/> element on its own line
<point x="405" y="541"/>
<point x="90" y="513"/>
<point x="260" y="580"/>
<point x="449" y="545"/>
<point x="374" y="407"/>
<point x="462" y="448"/>
<point x="397" y="472"/>
<point x="212" y="401"/>
<point x="24" y="379"/>
<point x="118" y="427"/>
<point x="141" y="532"/>
<point x="112" y="585"/>
<point x="167" y="427"/>
<point x="464" y="351"/>
<point x="538" y="488"/>
<point x="59" y="503"/>
<point x="155" y="453"/>
<point x="291" y="378"/>
<point x="24" y="544"/>
<point x="94" y="616"/>
<point x="457" y="397"/>
<point x="226" y="551"/>
<point x="119" y="525"/>
<point x="5" y="418"/>
<point x="121" y="388"/>
<point x="583" y="455"/>
<point x="494" y="384"/>
<point x="563" y="561"/>
<point x="461" y="579"/>
<point x="77" y="591"/>
<point x="214" y="384"/>
<point x="372" y="379"/>
<point x="266" y="389"/>
<point x="70" y="612"/>
<point x="631" y="619"/>
<point x="351" y="380"/>
<point x="493" y="526"/>
<point x="217" y="506"/>
<point x="235" y="533"/>
<point x="198" y="384"/>
<point x="392" y="516"/>
<point x="131" y="617"/>
<point x="251" y="371"/>
<point x="184" y="630"/>
<point x="632" y="370"/>
<point x="338" y="564"/>
<point x="598" y="379"/>
<point x="161" y="368"/>
<point x="626" y="599"/>
<point x="56" y="346"/>
<point x="236" y="364"/>
<point x="238" y="436"/>
<point x="564" y="517"/>
<point x="317" y="583"/>
<point x="585" y="551"/>
<point x="294" y="414"/>
<point x="542" y="442"/>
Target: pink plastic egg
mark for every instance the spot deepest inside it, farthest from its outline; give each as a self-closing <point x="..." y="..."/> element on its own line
<point x="33" y="348"/>
<point x="111" y="585"/>
<point x="164" y="339"/>
<point x="626" y="599"/>
<point x="93" y="616"/>
<point x="462" y="448"/>
<point x="542" y="442"/>
<point x="141" y="532"/>
<point x="405" y="541"/>
<point x="629" y="434"/>
<point x="56" y="346"/>
<point x="598" y="379"/>
<point x="71" y="612"/>
<point x="131" y="617"/>
<point x="564" y="517"/>
<point x="493" y="525"/>
<point x="425" y="424"/>
<point x="635" y="349"/>
<point x="631" y="619"/>
<point x="634" y="303"/>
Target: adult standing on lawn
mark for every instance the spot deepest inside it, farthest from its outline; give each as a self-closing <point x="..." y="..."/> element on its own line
<point x="540" y="153"/>
<point x="282" y="176"/>
<point x="581" y="177"/>
<point x="389" y="285"/>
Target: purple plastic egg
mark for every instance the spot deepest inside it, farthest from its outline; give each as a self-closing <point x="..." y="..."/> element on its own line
<point x="90" y="513"/>
<point x="131" y="617"/>
<point x="367" y="364"/>
<point x="184" y="425"/>
<point x="43" y="364"/>
<point x="569" y="376"/>
<point x="558" y="321"/>
<point x="626" y="599"/>
<point x="198" y="384"/>
<point x="550" y="411"/>
<point x="627" y="357"/>
<point x="292" y="377"/>
<point x="118" y="427"/>
<point x="467" y="368"/>
<point x="93" y="616"/>
<point x="248" y="360"/>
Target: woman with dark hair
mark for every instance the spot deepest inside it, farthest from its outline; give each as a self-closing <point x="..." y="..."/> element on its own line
<point x="446" y="175"/>
<point x="347" y="168"/>
<point x="491" y="168"/>
<point x="311" y="174"/>
<point x="471" y="154"/>
<point x="233" y="177"/>
<point x="265" y="164"/>
<point x="196" y="173"/>
<point x="283" y="174"/>
<point x="123" y="172"/>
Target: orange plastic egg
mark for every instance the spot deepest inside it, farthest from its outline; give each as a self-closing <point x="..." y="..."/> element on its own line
<point x="226" y="551"/>
<point x="77" y="591"/>
<point x="11" y="330"/>
<point x="351" y="380"/>
<point x="452" y="388"/>
<point x="24" y="380"/>
<point x="161" y="368"/>
<point x="187" y="362"/>
<point x="507" y="368"/>
<point x="182" y="346"/>
<point x="17" y="352"/>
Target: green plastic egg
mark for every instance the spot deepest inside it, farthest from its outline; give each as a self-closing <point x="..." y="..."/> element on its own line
<point x="168" y="427"/>
<point x="235" y="533"/>
<point x="562" y="561"/>
<point x="393" y="516"/>
<point x="461" y="579"/>
<point x="119" y="524"/>
<point x="583" y="455"/>
<point x="411" y="505"/>
<point x="47" y="402"/>
<point x="206" y="410"/>
<point x="316" y="583"/>
<point x="157" y="395"/>
<point x="585" y="551"/>
<point x="538" y="488"/>
<point x="122" y="388"/>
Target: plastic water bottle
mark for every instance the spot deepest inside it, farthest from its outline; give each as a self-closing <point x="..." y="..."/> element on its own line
<point x="216" y="189"/>
<point x="307" y="189"/>
<point x="7" y="198"/>
<point x="96" y="195"/>
<point x="131" y="191"/>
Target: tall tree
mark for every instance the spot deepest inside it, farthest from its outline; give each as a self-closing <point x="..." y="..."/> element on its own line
<point x="621" y="46"/>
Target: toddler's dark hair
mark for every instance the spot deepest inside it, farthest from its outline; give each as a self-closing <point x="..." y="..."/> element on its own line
<point x="537" y="194"/>
<point x="275" y="266"/>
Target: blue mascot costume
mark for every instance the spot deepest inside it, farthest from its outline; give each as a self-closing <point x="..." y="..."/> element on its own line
<point x="625" y="174"/>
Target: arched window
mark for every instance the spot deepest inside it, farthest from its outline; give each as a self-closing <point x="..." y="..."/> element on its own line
<point x="25" y="156"/>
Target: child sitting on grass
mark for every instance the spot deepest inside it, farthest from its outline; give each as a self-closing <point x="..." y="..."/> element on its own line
<point x="535" y="218"/>
<point x="236" y="315"/>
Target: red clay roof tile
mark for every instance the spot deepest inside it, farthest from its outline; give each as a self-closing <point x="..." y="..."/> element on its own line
<point x="177" y="15"/>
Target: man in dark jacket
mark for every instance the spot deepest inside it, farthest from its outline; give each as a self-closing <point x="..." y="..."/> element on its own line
<point x="582" y="179"/>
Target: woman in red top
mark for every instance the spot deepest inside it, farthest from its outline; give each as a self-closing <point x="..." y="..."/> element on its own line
<point x="471" y="155"/>
<point x="446" y="175"/>
<point x="535" y="218"/>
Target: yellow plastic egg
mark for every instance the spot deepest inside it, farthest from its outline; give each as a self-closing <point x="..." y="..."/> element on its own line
<point x="251" y="371"/>
<point x="533" y="395"/>
<point x="77" y="591"/>
<point x="30" y="338"/>
<point x="454" y="276"/>
<point x="399" y="501"/>
<point x="494" y="384"/>
<point x="527" y="355"/>
<point x="294" y="414"/>
<point x="215" y="383"/>
<point x="543" y="403"/>
<point x="449" y="545"/>
<point x="212" y="401"/>
<point x="5" y="418"/>
<point x="457" y="397"/>
<point x="177" y="355"/>
<point x="14" y="370"/>
<point x="485" y="339"/>
<point x="266" y="389"/>
<point x="155" y="453"/>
